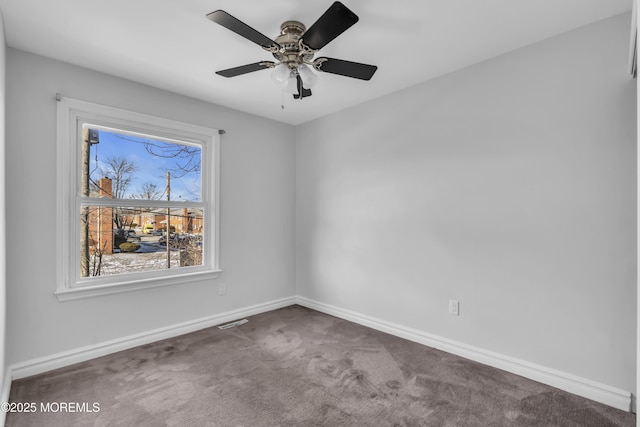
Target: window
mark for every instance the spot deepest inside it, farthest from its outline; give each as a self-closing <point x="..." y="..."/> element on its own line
<point x="137" y="200"/>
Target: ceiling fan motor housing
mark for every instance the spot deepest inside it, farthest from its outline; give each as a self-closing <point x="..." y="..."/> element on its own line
<point x="289" y="40"/>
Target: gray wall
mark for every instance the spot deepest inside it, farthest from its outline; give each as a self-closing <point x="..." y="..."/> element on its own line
<point x="257" y="202"/>
<point x="509" y="185"/>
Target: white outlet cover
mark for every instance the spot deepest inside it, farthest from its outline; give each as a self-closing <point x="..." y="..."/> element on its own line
<point x="454" y="307"/>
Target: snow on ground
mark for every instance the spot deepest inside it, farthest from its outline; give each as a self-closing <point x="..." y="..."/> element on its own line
<point x="149" y="257"/>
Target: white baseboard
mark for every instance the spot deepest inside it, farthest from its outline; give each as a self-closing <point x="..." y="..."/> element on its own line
<point x="66" y="358"/>
<point x="571" y="383"/>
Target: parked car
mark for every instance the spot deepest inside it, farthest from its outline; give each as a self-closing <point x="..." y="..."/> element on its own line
<point x="163" y="240"/>
<point x="129" y="235"/>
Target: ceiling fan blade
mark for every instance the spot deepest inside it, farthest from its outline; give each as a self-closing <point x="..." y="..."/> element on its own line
<point x="330" y="25"/>
<point x="231" y="23"/>
<point x="347" y="68"/>
<point x="244" y="69"/>
<point x="302" y="92"/>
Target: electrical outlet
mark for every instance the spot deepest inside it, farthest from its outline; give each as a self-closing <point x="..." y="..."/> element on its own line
<point x="454" y="307"/>
<point x="222" y="289"/>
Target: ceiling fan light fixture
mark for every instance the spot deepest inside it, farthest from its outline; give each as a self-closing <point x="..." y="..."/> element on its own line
<point x="291" y="83"/>
<point x="280" y="74"/>
<point x="309" y="79"/>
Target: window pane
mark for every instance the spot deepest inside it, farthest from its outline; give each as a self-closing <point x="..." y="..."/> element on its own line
<point x="139" y="167"/>
<point x="121" y="240"/>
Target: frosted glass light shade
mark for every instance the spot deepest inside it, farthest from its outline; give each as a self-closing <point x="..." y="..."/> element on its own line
<point x="309" y="79"/>
<point x="280" y="75"/>
<point x="291" y="83"/>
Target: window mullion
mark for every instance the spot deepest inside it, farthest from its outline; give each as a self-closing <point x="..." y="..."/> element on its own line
<point x="138" y="203"/>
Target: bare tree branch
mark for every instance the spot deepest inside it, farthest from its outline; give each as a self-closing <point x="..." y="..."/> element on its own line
<point x="150" y="191"/>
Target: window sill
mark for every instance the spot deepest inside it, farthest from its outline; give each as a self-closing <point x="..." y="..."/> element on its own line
<point x="134" y="285"/>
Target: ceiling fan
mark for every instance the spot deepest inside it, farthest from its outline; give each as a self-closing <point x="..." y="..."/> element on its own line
<point x="295" y="47"/>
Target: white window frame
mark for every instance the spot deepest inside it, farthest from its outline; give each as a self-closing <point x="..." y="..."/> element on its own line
<point x="72" y="114"/>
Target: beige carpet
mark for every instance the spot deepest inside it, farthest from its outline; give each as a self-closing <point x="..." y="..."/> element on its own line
<point x="296" y="367"/>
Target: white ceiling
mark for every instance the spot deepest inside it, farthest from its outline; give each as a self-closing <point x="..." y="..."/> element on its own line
<point x="170" y="44"/>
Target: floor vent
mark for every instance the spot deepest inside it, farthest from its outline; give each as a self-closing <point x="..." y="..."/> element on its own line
<point x="233" y="324"/>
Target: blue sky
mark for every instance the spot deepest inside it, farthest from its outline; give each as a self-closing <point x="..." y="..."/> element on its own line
<point x="149" y="168"/>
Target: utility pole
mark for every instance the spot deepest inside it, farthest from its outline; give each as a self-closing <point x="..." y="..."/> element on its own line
<point x="168" y="220"/>
<point x="89" y="138"/>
